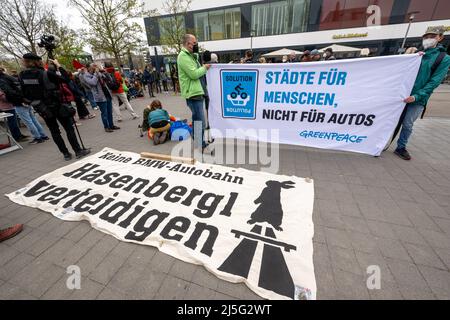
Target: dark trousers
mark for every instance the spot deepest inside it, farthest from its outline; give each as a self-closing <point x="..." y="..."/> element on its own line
<point x="13" y="124"/>
<point x="81" y="107"/>
<point x="157" y="86"/>
<point x="150" y="89"/>
<point x="165" y="85"/>
<point x="67" y="123"/>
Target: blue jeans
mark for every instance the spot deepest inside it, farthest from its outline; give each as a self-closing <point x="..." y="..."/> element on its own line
<point x="196" y="107"/>
<point x="106" y="111"/>
<point x="413" y="112"/>
<point x="27" y="116"/>
<point x="90" y="98"/>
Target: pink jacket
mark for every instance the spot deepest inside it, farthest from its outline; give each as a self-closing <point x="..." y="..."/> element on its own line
<point x="4" y="104"/>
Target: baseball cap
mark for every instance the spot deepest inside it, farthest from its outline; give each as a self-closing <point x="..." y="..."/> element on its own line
<point x="435" y="30"/>
<point x="31" y="56"/>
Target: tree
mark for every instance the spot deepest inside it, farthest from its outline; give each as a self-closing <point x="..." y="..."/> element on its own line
<point x="69" y="43"/>
<point x="172" y="29"/>
<point x="22" y="25"/>
<point x="111" y="26"/>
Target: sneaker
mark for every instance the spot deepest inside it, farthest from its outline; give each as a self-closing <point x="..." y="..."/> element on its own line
<point x="135" y="117"/>
<point x="156" y="138"/>
<point x="68" y="156"/>
<point x="36" y="141"/>
<point x="115" y="128"/>
<point x="82" y="153"/>
<point x="163" y="137"/>
<point x="403" y="153"/>
<point x="22" y="139"/>
<point x="109" y="130"/>
<point x="10" y="232"/>
<point x="119" y="120"/>
<point x="45" y="138"/>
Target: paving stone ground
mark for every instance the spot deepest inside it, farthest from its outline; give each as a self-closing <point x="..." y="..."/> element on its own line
<point x="368" y="211"/>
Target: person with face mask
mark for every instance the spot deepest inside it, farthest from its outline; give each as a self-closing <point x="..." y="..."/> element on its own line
<point x="433" y="70"/>
<point x="328" y="54"/>
<point x="189" y="73"/>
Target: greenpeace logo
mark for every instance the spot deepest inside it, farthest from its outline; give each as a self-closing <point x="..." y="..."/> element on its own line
<point x="333" y="136"/>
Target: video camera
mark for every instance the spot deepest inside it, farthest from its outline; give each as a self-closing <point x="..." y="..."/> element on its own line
<point x="49" y="43"/>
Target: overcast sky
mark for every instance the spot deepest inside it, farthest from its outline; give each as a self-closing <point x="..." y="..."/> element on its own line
<point x="73" y="18"/>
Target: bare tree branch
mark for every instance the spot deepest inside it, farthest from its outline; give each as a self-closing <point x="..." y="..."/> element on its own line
<point x="111" y="29"/>
<point x="21" y="25"/>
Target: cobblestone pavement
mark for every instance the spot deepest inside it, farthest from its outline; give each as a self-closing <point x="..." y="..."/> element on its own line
<point x="368" y="211"/>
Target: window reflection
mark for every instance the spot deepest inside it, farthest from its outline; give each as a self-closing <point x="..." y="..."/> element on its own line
<point x="171" y="25"/>
<point x="218" y="24"/>
<point x="425" y="8"/>
<point x="280" y="17"/>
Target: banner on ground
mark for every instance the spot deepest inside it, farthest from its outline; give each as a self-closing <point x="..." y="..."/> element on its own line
<point x="351" y="105"/>
<point x="241" y="225"/>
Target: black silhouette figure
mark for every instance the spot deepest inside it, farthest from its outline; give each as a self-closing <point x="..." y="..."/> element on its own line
<point x="238" y="91"/>
<point x="274" y="273"/>
<point x="270" y="209"/>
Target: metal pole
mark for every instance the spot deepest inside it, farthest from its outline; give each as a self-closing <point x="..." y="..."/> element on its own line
<point x="406" y="35"/>
<point x="411" y="18"/>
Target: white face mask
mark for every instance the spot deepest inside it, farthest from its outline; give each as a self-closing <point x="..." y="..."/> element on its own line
<point x="429" y="43"/>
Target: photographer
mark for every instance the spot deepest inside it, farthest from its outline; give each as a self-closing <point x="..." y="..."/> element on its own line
<point x="41" y="89"/>
<point x="102" y="95"/>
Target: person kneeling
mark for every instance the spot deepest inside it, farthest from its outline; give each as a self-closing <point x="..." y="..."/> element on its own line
<point x="157" y="121"/>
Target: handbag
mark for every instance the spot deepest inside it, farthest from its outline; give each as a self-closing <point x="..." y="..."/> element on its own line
<point x="66" y="110"/>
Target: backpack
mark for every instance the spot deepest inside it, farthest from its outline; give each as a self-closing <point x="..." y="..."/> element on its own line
<point x="180" y="130"/>
<point x="66" y="94"/>
<point x="111" y="82"/>
<point x="12" y="92"/>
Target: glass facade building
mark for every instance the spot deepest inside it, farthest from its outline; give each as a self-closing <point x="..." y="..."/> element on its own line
<point x="218" y="24"/>
<point x="280" y="17"/>
<point x="283" y="17"/>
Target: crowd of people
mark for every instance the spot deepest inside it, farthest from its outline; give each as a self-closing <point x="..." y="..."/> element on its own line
<point x="306" y="56"/>
<point x="63" y="98"/>
<point x="51" y="91"/>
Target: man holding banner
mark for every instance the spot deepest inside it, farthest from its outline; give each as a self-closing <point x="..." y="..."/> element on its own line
<point x="433" y="69"/>
<point x="190" y="71"/>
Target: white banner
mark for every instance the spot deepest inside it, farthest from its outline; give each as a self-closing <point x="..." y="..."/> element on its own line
<point x="241" y="225"/>
<point x="351" y="105"/>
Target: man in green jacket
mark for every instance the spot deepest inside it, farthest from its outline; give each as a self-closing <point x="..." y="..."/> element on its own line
<point x="189" y="73"/>
<point x="426" y="82"/>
